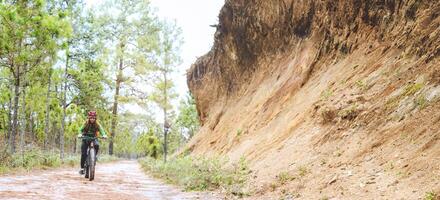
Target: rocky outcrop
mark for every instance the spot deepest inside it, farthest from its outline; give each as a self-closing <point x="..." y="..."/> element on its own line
<point x="251" y="31"/>
<point x="307" y="76"/>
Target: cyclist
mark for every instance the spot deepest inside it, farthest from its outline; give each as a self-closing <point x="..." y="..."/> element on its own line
<point x="91" y="129"/>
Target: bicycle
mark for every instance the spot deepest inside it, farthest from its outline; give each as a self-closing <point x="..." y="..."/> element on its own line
<point x="91" y="157"/>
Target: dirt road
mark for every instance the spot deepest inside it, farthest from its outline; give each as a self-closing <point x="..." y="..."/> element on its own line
<point x="118" y="180"/>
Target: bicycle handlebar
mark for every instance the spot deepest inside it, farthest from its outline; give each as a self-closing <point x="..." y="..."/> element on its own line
<point x="90" y="137"/>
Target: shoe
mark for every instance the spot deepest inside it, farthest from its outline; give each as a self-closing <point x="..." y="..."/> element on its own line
<point x="81" y="171"/>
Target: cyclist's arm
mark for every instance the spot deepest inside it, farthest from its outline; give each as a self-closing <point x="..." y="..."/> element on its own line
<point x="81" y="130"/>
<point x="102" y="131"/>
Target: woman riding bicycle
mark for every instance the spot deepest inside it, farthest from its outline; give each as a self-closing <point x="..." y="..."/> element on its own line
<point x="90" y="129"/>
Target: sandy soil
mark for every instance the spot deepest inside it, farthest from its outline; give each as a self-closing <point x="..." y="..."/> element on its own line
<point x="118" y="180"/>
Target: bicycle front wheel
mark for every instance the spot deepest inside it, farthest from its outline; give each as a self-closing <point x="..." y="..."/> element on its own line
<point x="92" y="164"/>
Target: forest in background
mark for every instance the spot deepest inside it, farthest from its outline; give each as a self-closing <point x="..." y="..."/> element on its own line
<point x="60" y="59"/>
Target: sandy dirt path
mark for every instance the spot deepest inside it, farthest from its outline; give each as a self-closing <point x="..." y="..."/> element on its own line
<point x="118" y="180"/>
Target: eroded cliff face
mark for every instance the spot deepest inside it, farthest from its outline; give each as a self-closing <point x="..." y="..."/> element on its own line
<point x="345" y="90"/>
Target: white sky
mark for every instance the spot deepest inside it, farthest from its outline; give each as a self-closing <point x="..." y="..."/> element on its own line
<point x="194" y="18"/>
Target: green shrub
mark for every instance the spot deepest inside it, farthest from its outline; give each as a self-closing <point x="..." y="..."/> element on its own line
<point x="431" y="196"/>
<point x="200" y="174"/>
<point x="72" y="160"/>
<point x="34" y="159"/>
<point x="51" y="160"/>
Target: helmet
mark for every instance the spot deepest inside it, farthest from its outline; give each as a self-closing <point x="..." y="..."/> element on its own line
<point x="91" y="114"/>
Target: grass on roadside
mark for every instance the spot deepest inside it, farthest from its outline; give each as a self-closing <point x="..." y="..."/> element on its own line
<point x="38" y="159"/>
<point x="32" y="159"/>
<point x="201" y="174"/>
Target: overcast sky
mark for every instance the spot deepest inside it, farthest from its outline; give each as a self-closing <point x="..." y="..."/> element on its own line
<point x="194" y="18"/>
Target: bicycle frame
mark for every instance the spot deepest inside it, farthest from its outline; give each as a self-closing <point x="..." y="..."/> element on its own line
<point x="91" y="158"/>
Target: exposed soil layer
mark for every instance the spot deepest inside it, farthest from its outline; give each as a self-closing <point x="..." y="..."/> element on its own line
<point x="341" y="97"/>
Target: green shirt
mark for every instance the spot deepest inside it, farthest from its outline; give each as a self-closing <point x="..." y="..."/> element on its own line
<point x="99" y="132"/>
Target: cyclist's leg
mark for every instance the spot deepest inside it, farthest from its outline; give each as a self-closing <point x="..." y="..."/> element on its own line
<point x="96" y="147"/>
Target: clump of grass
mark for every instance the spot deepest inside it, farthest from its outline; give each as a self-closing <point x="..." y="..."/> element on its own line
<point x="431" y="196"/>
<point x="288" y="195"/>
<point x="392" y="103"/>
<point x="421" y="101"/>
<point x="411" y="89"/>
<point x="326" y="94"/>
<point x="273" y="186"/>
<point x="338" y="153"/>
<point x="348" y="113"/>
<point x="361" y="85"/>
<point x="201" y="174"/>
<point x="239" y="132"/>
<point x="303" y="170"/>
<point x="285" y="177"/>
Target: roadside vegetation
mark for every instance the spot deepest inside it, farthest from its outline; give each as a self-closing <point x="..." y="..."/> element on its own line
<point x="60" y="59"/>
<point x="39" y="159"/>
<point x="201" y="174"/>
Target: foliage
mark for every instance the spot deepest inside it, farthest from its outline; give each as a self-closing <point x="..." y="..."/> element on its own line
<point x="39" y="159"/>
<point x="188" y="118"/>
<point x="201" y="174"/>
<point x="148" y="144"/>
<point x="30" y="159"/>
<point x="58" y="55"/>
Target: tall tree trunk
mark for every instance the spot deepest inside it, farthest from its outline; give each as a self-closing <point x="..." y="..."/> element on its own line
<point x="23" y="128"/>
<point x="165" y="120"/>
<point x="5" y="125"/>
<point x="47" y="120"/>
<point x="54" y="136"/>
<point x="115" y="103"/>
<point x="165" y="134"/>
<point x="63" y="120"/>
<point x="31" y="128"/>
<point x="74" y="145"/>
<point x="9" y="120"/>
<point x="15" y="108"/>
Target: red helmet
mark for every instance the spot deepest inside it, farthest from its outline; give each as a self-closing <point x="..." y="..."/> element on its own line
<point x="91" y="114"/>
